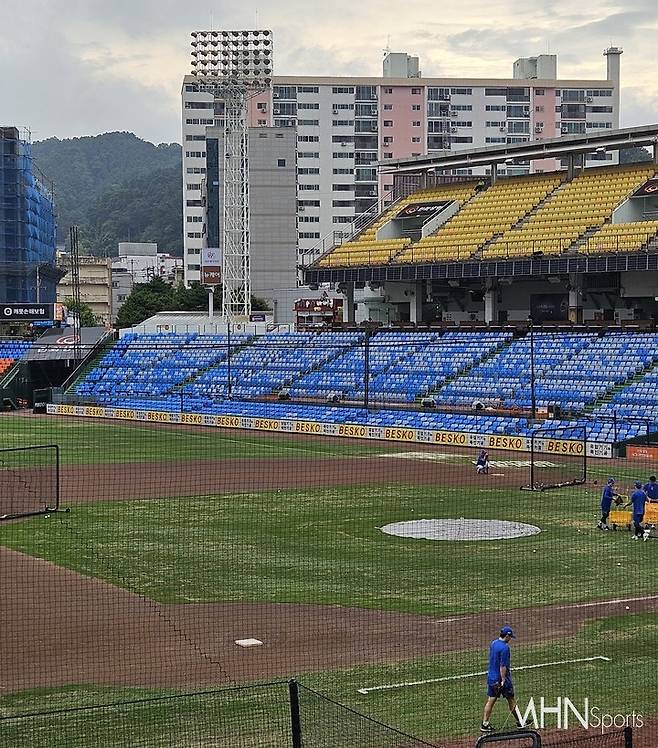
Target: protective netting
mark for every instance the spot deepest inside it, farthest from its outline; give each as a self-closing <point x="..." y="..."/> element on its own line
<point x="230" y="542"/>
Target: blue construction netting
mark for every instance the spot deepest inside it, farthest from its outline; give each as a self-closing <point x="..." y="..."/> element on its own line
<point x="27" y="224"/>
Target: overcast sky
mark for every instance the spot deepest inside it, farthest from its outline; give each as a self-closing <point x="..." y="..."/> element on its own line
<point x="82" y="67"/>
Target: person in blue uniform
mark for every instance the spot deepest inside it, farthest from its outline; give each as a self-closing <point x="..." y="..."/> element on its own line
<point x="499" y="678"/>
<point x="638" y="500"/>
<point x="607" y="497"/>
<point x="651" y="489"/>
<point x="482" y="464"/>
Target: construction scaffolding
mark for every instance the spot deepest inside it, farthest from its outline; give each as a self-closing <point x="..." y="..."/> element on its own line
<point x="27" y="224"/>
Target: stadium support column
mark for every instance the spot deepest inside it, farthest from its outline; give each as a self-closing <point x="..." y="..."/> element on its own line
<point x="416" y="302"/>
<point x="348" y="306"/>
<point x="575" y="298"/>
<point x="494" y="173"/>
<point x="491" y="302"/>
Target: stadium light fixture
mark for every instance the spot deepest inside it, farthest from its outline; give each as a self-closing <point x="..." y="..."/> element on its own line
<point x="234" y="66"/>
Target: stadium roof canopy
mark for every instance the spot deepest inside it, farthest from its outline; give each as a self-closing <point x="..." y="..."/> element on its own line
<point x="561" y="147"/>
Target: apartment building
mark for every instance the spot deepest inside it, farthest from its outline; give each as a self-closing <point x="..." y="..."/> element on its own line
<point x="344" y="126"/>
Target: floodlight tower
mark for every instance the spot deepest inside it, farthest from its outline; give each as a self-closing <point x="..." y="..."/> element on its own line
<point x="233" y="66"/>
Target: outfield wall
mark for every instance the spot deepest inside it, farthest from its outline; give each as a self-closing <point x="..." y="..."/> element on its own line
<point x="347" y="430"/>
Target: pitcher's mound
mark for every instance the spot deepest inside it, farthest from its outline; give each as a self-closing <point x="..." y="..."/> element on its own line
<point x="460" y="529"/>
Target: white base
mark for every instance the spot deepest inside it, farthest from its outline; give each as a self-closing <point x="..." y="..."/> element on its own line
<point x="248" y="642"/>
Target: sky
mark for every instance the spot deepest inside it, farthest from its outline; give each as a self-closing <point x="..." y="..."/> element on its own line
<point x="82" y="67"/>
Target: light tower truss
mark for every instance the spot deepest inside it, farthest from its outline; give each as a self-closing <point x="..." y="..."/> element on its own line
<point x="233" y="66"/>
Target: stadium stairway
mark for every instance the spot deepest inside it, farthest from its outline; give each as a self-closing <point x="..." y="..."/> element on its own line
<point x="465" y="372"/>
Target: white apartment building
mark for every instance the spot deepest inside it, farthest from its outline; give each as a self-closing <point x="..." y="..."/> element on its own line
<point x="344" y="126"/>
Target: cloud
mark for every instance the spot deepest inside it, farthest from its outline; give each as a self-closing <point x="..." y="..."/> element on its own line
<point x="86" y="66"/>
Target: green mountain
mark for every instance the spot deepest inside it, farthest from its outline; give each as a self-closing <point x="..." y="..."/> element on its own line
<point x="92" y="171"/>
<point x="147" y="208"/>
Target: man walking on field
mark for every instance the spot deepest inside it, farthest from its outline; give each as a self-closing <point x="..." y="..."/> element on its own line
<point x="499" y="678"/>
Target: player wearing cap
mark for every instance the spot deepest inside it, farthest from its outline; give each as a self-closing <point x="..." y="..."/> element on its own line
<point x="651" y="489"/>
<point x="499" y="678"/>
<point x="607" y="497"/>
<point x="482" y="464"/>
<point x="638" y="499"/>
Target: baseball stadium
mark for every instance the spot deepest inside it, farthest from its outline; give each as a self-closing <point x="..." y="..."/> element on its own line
<point x="268" y="537"/>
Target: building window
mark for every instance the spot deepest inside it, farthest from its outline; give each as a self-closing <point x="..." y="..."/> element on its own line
<point x="388" y="139"/>
<point x="308" y="139"/>
<point x="308" y="154"/>
<point x="461" y="91"/>
<point x="348" y="107"/>
<point x="308" y="170"/>
<point x="342" y="187"/>
<point x="195" y="154"/>
<point x="496" y="108"/>
<point x="388" y="123"/>
<point x="539" y="92"/>
<point x="462" y="107"/>
<point x="342" y="122"/>
<point x="343" y="171"/>
<point x="194" y="203"/>
<point x="464" y="123"/>
<point x="388" y="107"/>
<point x="308" y="122"/>
<point x="284" y="92"/>
<point x="309" y="235"/>
<point x="194" y="219"/>
<point x="195" y="170"/>
<point x="194" y="267"/>
<point x="539" y="109"/>
<point x="416" y="91"/>
<point x="416" y="123"/>
<point x="342" y="90"/>
<point x="388" y="155"/>
<point x="343" y="154"/>
<point x="308" y="105"/>
<point x="462" y="139"/>
<point x="308" y="203"/>
<point x="495" y="123"/>
<point x="315" y="187"/>
<point x="262" y="122"/>
<point x="415" y="107"/>
<point x="194" y="235"/>
<point x="281" y="162"/>
<point x="342" y="219"/>
<point x="388" y="90"/>
<point x="308" y="89"/>
<point x="495" y="92"/>
<point x="342" y="203"/>
<point x="495" y="140"/>
<point x="193" y="185"/>
<point x="415" y="140"/>
<point x="309" y="219"/>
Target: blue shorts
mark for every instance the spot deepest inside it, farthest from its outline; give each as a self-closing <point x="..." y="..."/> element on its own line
<point x="507" y="691"/>
<point x="637" y="518"/>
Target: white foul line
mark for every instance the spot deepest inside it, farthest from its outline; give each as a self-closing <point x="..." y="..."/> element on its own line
<point x="475" y="675"/>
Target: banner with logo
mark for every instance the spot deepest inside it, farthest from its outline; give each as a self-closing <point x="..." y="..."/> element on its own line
<point x="648" y="189"/>
<point x="211" y="266"/>
<point x="422" y="210"/>
<point x="26" y="312"/>
<point x="348" y="430"/>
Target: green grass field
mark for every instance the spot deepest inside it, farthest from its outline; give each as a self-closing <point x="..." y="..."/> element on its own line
<point x="88" y="442"/>
<point x="323" y="545"/>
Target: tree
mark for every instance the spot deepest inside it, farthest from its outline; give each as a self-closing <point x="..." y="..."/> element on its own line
<point x="87" y="316"/>
<point x="258" y="304"/>
<point x="156" y="296"/>
<point x="145" y="300"/>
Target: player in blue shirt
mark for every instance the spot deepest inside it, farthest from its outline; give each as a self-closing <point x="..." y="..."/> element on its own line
<point x="651" y="489"/>
<point x="638" y="499"/>
<point x="482" y="464"/>
<point x="499" y="678"/>
<point x="607" y="497"/>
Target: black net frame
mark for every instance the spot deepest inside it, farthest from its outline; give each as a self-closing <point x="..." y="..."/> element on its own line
<point x="29" y="481"/>
<point x="569" y="442"/>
